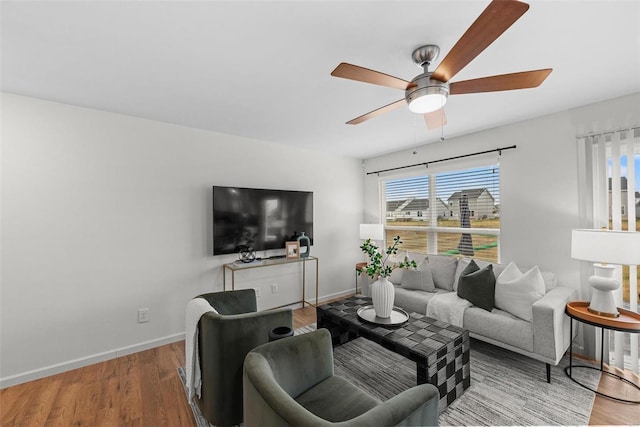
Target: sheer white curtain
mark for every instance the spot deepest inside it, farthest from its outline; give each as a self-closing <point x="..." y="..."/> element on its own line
<point x="608" y="184"/>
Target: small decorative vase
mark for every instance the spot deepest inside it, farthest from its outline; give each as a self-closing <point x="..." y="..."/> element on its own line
<point x="280" y="332"/>
<point x="382" y="294"/>
<point x="304" y="241"/>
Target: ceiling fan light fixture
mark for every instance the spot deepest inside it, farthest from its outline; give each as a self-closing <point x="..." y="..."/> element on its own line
<point x="427" y="95"/>
<point x="428" y="102"/>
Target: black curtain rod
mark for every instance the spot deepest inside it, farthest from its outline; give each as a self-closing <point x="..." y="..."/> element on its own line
<point x="498" y="150"/>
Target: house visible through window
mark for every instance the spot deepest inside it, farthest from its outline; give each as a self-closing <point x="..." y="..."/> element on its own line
<point x="453" y="213"/>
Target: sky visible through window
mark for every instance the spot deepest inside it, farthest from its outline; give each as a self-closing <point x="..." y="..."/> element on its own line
<point x="623" y="169"/>
<point x="418" y="187"/>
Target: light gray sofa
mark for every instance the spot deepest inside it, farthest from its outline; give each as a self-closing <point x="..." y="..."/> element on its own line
<point x="546" y="338"/>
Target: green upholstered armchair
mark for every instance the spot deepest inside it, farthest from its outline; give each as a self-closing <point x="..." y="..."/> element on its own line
<point x="224" y="339"/>
<point x="290" y="382"/>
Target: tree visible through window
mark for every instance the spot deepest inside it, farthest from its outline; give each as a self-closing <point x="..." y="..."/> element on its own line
<point x="453" y="213"/>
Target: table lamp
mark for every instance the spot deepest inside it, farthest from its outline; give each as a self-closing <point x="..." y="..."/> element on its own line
<point x="375" y="232"/>
<point x="602" y="247"/>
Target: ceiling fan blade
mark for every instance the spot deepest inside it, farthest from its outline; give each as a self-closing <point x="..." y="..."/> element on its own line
<point x="522" y="80"/>
<point x="492" y="22"/>
<point x="361" y="74"/>
<point x="435" y="119"/>
<point x="374" y="113"/>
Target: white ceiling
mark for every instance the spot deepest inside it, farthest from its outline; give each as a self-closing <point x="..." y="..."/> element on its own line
<point x="262" y="69"/>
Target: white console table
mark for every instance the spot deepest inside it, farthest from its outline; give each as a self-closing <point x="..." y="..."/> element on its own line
<point x="240" y="266"/>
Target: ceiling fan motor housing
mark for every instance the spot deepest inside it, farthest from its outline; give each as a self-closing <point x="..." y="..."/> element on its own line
<point x="426" y="94"/>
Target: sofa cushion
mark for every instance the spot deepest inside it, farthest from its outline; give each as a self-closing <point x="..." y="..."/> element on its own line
<point x="420" y="278"/>
<point x="396" y="275"/>
<point x="498" y="269"/>
<point x="516" y="292"/>
<point x="443" y="270"/>
<point x="550" y="280"/>
<point x="477" y="285"/>
<point x="499" y="326"/>
<point x="414" y="300"/>
<point x="335" y="399"/>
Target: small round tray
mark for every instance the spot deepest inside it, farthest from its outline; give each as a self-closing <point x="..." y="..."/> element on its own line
<point x="368" y="314"/>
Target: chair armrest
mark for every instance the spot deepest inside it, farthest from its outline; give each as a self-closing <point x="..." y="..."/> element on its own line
<point x="417" y="406"/>
<point x="232" y="302"/>
<point x="245" y="331"/>
<point x="551" y="335"/>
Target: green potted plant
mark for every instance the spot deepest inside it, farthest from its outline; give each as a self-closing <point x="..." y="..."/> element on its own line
<point x="382" y="291"/>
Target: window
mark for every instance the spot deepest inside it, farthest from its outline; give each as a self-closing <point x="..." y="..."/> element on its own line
<point x="628" y="146"/>
<point x="614" y="175"/>
<point x="454" y="213"/>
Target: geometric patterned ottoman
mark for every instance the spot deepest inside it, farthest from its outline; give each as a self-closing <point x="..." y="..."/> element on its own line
<point x="440" y="350"/>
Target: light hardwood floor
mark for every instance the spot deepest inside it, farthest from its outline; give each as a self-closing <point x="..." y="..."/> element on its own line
<point x="143" y="389"/>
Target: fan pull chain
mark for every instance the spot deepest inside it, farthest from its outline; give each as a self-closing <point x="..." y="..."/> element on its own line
<point x="441" y="121"/>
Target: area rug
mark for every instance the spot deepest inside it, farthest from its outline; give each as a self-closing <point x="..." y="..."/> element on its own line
<point x="506" y="388"/>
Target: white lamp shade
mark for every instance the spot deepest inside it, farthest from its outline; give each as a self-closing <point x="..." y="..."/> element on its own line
<point x="613" y="247"/>
<point x="372" y="231"/>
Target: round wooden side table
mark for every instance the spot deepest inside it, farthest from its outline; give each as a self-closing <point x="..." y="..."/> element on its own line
<point x="628" y="321"/>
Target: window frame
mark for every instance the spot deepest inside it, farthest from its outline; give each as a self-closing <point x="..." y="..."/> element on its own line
<point x="433" y="229"/>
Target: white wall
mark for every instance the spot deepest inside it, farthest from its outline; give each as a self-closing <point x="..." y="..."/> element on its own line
<point x="103" y="214"/>
<point x="539" y="179"/>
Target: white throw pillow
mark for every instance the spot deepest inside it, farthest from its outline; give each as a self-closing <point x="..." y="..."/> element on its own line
<point x="516" y="292"/>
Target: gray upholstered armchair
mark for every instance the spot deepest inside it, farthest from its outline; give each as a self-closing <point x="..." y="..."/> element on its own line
<point x="290" y="382"/>
<point x="224" y="339"/>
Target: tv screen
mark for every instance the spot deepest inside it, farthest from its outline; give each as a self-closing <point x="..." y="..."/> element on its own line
<point x="259" y="218"/>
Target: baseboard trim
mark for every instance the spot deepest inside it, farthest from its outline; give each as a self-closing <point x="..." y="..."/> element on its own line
<point x="58" y="368"/>
<point x="335" y="295"/>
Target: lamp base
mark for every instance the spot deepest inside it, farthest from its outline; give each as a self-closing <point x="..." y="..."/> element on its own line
<point x="603" y="314"/>
<point x="602" y="300"/>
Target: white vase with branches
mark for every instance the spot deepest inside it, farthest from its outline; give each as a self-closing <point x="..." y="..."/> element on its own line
<point x="382" y="291"/>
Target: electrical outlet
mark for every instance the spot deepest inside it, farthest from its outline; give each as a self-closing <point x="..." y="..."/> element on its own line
<point x="257" y="292"/>
<point x="143" y="315"/>
<point x="274" y="288"/>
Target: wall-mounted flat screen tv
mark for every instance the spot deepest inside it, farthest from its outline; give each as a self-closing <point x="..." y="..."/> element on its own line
<point x="259" y="218"/>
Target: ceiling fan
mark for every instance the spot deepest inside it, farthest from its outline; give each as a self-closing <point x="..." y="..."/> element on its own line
<point x="427" y="93"/>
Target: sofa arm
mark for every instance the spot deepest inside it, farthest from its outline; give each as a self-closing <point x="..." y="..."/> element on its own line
<point x="551" y="335"/>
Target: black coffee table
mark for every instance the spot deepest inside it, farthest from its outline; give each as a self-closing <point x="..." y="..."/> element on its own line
<point x="440" y="350"/>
